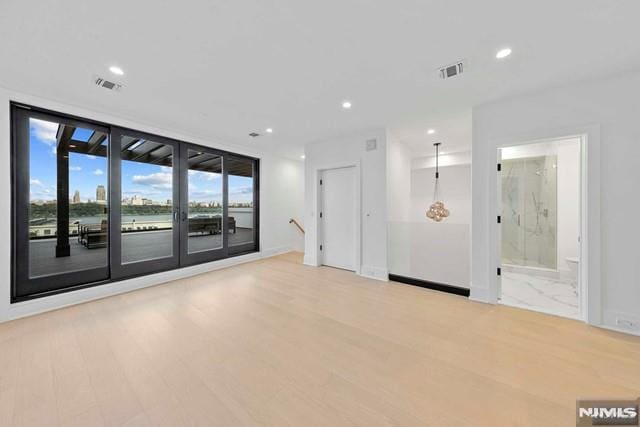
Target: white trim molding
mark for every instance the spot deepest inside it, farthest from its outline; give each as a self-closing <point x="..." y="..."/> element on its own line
<point x="590" y="272"/>
<point x="375" y="273"/>
<point x="315" y="258"/>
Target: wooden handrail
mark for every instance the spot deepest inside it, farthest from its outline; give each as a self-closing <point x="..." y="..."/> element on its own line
<point x="297" y="224"/>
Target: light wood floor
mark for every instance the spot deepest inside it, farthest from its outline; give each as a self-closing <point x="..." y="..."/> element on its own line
<point x="278" y="343"/>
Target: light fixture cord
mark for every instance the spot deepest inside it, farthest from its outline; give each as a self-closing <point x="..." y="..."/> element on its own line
<point x="436" y="188"/>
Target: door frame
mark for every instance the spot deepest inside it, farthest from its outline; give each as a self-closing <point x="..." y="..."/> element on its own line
<point x="120" y="270"/>
<point x="317" y="205"/>
<point x="589" y="271"/>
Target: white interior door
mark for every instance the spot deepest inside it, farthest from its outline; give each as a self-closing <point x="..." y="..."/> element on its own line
<point x="338" y="221"/>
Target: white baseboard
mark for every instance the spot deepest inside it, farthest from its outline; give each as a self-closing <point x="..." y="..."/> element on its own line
<point x="279" y="250"/>
<point x="479" y="294"/>
<point x="618" y="321"/>
<point x="376" y="273"/>
<point x="54" y="302"/>
<point x="309" y="260"/>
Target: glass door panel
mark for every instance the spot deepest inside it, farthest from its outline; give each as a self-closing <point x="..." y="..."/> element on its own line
<point x="61" y="205"/>
<point x="242" y="196"/>
<point x="147" y="197"/>
<point x="529" y="211"/>
<point x="203" y="224"/>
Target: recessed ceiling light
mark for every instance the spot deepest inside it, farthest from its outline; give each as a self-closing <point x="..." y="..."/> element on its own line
<point x="116" y="70"/>
<point x="303" y="157"/>
<point x="431" y="131"/>
<point x="268" y="130"/>
<point x="346" y="105"/>
<point x="503" y="53"/>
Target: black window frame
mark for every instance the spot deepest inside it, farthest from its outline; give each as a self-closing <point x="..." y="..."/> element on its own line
<point x="19" y="245"/>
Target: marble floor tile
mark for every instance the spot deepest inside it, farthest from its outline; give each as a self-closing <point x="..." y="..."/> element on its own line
<point x="540" y="293"/>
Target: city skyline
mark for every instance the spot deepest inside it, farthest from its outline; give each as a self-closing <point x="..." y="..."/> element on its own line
<point x="87" y="172"/>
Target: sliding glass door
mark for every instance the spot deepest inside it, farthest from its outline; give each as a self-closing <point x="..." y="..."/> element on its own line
<point x="145" y="203"/>
<point x="203" y="219"/>
<point x="92" y="203"/>
<point x="60" y="204"/>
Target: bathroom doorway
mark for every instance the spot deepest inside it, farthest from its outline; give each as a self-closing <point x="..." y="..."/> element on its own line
<point x="539" y="205"/>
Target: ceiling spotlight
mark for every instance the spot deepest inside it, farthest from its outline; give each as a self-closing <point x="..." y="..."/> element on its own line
<point x="346" y="105"/>
<point x="116" y="70"/>
<point x="431" y="131"/>
<point x="303" y="157"/>
<point x="268" y="130"/>
<point x="503" y="53"/>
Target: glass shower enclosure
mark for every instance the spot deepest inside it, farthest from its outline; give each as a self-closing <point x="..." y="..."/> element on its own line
<point x="529" y="212"/>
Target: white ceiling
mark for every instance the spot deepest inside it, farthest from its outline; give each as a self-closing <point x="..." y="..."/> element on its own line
<point x="222" y="69"/>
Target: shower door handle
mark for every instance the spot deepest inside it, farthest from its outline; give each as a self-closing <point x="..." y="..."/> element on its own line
<point x="518" y="220"/>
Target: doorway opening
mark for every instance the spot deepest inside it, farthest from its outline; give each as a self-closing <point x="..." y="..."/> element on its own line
<point x="540" y="223"/>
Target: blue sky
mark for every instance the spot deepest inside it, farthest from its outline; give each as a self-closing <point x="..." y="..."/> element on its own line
<point x="86" y="172"/>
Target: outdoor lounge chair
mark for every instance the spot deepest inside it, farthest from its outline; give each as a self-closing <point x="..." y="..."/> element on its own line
<point x="204" y="225"/>
<point x="94" y="236"/>
<point x="210" y="225"/>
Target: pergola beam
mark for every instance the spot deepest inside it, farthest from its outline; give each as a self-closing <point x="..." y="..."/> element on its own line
<point x="95" y="142"/>
<point x="63" y="137"/>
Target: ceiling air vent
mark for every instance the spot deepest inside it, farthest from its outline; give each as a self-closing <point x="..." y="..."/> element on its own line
<point x="451" y="70"/>
<point x="254" y="134"/>
<point x="107" y="84"/>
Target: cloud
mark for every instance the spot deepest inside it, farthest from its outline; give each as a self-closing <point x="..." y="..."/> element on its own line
<point x="36" y="182"/>
<point x="90" y="156"/>
<point x="241" y="190"/>
<point x="159" y="180"/>
<point x="98" y="172"/>
<point x="44" y="131"/>
<point x="210" y="176"/>
<point x="75" y="168"/>
<point x="41" y="194"/>
<point x="207" y="176"/>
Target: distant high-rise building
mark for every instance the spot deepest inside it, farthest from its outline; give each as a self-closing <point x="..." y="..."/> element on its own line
<point x="101" y="195"/>
<point x="76" y="197"/>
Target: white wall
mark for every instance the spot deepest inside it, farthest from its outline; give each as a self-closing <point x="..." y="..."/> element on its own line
<point x="608" y="111"/>
<point x="423" y="249"/>
<point x="441" y="251"/>
<point x="451" y="159"/>
<point x="398" y="181"/>
<point x="351" y="151"/>
<point x="568" y="201"/>
<point x="281" y="196"/>
<point x="455" y="191"/>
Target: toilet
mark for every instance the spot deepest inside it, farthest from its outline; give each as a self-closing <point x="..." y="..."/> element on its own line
<point x="574" y="266"/>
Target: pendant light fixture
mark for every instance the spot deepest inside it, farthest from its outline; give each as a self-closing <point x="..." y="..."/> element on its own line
<point x="437" y="211"/>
